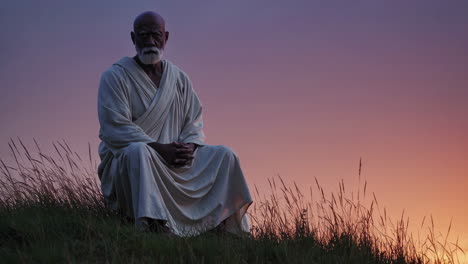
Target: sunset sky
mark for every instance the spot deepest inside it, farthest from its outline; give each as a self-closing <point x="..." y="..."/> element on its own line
<point x="302" y="89"/>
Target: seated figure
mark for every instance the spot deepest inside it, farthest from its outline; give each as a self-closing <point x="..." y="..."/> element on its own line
<point x="155" y="167"/>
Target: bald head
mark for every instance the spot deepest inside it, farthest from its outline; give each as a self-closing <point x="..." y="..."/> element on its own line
<point x="148" y="18"/>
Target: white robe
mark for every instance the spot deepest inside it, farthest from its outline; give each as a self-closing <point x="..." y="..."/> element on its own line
<point x="137" y="180"/>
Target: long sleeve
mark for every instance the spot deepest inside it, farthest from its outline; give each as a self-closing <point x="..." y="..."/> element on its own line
<point x="192" y="131"/>
<point x="117" y="129"/>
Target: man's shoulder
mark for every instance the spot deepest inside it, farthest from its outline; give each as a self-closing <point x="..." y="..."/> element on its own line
<point x="114" y="77"/>
<point x="183" y="76"/>
<point x="114" y="71"/>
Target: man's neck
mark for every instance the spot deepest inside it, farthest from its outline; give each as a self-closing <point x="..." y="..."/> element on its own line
<point x="150" y="69"/>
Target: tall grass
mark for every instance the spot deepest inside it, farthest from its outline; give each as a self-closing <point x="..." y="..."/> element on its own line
<point x="64" y="179"/>
<point x="286" y="223"/>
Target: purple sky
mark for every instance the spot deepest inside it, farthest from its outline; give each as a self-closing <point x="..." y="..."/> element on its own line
<point x="299" y="88"/>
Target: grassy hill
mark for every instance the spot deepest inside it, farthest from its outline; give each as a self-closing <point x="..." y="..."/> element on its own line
<point x="52" y="211"/>
<point x="55" y="233"/>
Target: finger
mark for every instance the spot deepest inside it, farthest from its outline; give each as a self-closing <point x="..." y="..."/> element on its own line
<point x="185" y="156"/>
<point x="188" y="161"/>
<point x="182" y="150"/>
<point x="177" y="145"/>
<point x="179" y="152"/>
<point x="179" y="162"/>
<point x="182" y="145"/>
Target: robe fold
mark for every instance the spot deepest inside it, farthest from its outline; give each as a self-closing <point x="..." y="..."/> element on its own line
<point x="136" y="180"/>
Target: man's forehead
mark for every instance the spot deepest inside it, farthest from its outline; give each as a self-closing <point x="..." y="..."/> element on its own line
<point x="147" y="28"/>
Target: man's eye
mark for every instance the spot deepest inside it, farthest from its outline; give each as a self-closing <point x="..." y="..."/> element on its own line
<point x="154" y="35"/>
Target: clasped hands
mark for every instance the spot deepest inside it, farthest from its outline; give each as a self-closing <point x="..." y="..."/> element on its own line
<point x="177" y="154"/>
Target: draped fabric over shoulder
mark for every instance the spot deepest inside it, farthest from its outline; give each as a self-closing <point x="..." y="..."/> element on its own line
<point x="136" y="180"/>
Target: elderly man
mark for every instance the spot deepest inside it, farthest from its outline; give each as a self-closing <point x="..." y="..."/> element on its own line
<point x="155" y="166"/>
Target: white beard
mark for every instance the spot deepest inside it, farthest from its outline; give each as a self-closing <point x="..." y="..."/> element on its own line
<point x="149" y="58"/>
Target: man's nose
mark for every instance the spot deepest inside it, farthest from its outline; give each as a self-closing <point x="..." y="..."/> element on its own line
<point x="147" y="44"/>
<point x="150" y="41"/>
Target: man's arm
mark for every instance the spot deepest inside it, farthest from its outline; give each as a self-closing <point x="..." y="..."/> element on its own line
<point x="192" y="130"/>
<point x="117" y="128"/>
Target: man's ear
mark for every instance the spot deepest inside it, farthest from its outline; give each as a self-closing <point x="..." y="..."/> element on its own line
<point x="167" y="35"/>
<point x="132" y="36"/>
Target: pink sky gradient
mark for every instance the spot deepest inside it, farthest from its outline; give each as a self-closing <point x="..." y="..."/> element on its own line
<point x="302" y="89"/>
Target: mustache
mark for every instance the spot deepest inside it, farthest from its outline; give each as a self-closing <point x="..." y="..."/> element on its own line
<point x="147" y="50"/>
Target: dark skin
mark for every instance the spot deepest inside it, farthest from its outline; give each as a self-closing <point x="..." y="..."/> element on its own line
<point x="149" y="30"/>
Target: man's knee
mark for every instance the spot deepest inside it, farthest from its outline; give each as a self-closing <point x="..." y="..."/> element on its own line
<point x="227" y="151"/>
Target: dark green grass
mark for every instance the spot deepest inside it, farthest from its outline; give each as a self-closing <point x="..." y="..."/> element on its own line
<point x="53" y="233"/>
<point x="52" y="211"/>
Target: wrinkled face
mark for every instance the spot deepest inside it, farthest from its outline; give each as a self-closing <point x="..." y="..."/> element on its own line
<point x="149" y="38"/>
